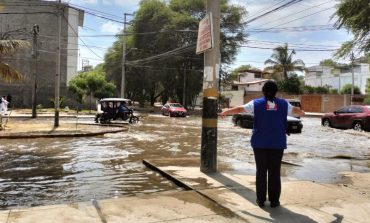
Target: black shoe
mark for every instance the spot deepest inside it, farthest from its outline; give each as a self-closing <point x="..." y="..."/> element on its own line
<point x="274" y="204"/>
<point x="260" y="204"/>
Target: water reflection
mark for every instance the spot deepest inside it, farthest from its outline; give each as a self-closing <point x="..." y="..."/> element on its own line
<point x="62" y="170"/>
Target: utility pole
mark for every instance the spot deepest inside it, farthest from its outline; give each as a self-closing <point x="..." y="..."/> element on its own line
<point x="35" y="32"/>
<point x="184" y="90"/>
<point x="353" y="77"/>
<point x="57" y="73"/>
<point x="123" y="76"/>
<point x="208" y="163"/>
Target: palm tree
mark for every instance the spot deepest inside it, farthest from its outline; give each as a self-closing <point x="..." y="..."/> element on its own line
<point x="7" y="72"/>
<point x="281" y="62"/>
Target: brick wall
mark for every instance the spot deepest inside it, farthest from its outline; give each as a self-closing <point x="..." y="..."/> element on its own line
<point x="311" y="102"/>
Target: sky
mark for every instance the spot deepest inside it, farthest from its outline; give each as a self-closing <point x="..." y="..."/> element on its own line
<point x="311" y="46"/>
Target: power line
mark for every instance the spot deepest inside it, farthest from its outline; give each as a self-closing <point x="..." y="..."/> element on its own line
<point x="165" y="55"/>
<point x="304" y="10"/>
<point x="296" y="19"/>
<point x="290" y="43"/>
<point x="267" y="8"/>
<point x="262" y="62"/>
<point x="271" y="48"/>
<point x="97" y="11"/>
<point x="81" y="38"/>
<point x="162" y="68"/>
<point x="290" y="3"/>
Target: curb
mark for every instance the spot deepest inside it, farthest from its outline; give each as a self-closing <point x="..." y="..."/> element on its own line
<point x="46" y="135"/>
<point x="167" y="175"/>
<point x="187" y="187"/>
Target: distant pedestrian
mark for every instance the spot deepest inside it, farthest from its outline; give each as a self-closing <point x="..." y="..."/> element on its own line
<point x="268" y="140"/>
<point x="3" y="105"/>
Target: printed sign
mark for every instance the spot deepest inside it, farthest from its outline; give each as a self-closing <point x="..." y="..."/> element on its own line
<point x="205" y="34"/>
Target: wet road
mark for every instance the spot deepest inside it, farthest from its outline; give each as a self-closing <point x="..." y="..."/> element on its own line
<point x="62" y="170"/>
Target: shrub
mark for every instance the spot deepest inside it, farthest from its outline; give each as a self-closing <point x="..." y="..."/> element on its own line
<point x="367" y="100"/>
<point x="346" y="89"/>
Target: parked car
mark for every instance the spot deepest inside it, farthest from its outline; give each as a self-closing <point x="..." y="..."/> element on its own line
<point x="173" y="109"/>
<point x="245" y="120"/>
<point x="356" y="117"/>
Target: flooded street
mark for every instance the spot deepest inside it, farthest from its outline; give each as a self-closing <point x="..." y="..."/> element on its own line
<point x="62" y="170"/>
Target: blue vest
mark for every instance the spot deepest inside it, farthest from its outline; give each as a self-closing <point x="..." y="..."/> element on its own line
<point x="269" y="124"/>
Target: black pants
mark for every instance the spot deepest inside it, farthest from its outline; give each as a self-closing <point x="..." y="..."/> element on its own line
<point x="268" y="162"/>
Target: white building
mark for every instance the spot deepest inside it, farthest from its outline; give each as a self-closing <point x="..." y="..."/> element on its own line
<point x="336" y="78"/>
<point x="249" y="80"/>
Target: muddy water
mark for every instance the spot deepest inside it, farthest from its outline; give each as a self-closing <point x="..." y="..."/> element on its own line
<point x="62" y="170"/>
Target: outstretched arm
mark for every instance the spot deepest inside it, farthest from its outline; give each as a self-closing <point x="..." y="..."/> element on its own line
<point x="232" y="111"/>
<point x="298" y="111"/>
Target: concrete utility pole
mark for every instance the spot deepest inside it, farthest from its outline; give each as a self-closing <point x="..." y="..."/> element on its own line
<point x="208" y="163"/>
<point x="123" y="78"/>
<point x="184" y="88"/>
<point x="35" y="32"/>
<point x="57" y="73"/>
<point x="353" y="77"/>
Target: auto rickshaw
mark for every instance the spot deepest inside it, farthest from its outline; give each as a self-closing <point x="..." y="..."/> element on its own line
<point x="109" y="109"/>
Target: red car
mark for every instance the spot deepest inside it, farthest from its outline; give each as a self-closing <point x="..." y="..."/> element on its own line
<point x="173" y="109"/>
<point x="356" y="117"/>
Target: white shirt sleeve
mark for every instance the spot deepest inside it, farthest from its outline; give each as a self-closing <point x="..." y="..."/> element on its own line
<point x="249" y="107"/>
<point x="290" y="108"/>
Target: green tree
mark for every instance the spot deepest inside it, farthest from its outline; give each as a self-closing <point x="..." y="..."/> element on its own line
<point x="282" y="62"/>
<point x="322" y="89"/>
<point x="290" y="85"/>
<point x="365" y="58"/>
<point x="7" y="72"/>
<point x="170" y="25"/>
<point x="354" y="16"/>
<point x="367" y="90"/>
<point x="329" y="63"/>
<point x="346" y="89"/>
<point x="93" y="84"/>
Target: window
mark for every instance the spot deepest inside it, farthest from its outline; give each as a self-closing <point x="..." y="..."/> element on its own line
<point x="342" y="110"/>
<point x="356" y="110"/>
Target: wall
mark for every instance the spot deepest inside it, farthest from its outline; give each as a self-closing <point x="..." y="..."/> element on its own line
<point x="47" y="45"/>
<point x="311" y="102"/>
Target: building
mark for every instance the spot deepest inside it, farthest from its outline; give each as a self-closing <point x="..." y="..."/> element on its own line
<point x="18" y="19"/>
<point x="249" y="80"/>
<point x="337" y="77"/>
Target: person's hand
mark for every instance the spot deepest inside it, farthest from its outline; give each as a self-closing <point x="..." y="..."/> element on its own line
<point x="222" y="115"/>
<point x="301" y="113"/>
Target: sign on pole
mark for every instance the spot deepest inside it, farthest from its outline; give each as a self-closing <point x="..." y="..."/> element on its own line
<point x="205" y="34"/>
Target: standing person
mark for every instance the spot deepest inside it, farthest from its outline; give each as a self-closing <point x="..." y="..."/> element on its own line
<point x="268" y="140"/>
<point x="3" y="105"/>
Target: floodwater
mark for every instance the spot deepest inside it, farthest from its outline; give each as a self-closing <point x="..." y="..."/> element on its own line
<point x="62" y="170"/>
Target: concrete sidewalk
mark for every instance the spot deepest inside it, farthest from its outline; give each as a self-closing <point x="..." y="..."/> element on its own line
<point x="301" y="201"/>
<point x="224" y="197"/>
<point x="171" y="207"/>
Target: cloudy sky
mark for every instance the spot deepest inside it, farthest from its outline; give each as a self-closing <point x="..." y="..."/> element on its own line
<point x="305" y="26"/>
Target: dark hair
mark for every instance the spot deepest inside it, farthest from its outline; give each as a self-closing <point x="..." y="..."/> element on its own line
<point x="269" y="89"/>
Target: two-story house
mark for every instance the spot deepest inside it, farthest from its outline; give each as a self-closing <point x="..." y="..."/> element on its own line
<point x="249" y="80"/>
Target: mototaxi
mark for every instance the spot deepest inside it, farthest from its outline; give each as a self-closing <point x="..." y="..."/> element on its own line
<point x="109" y="109"/>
